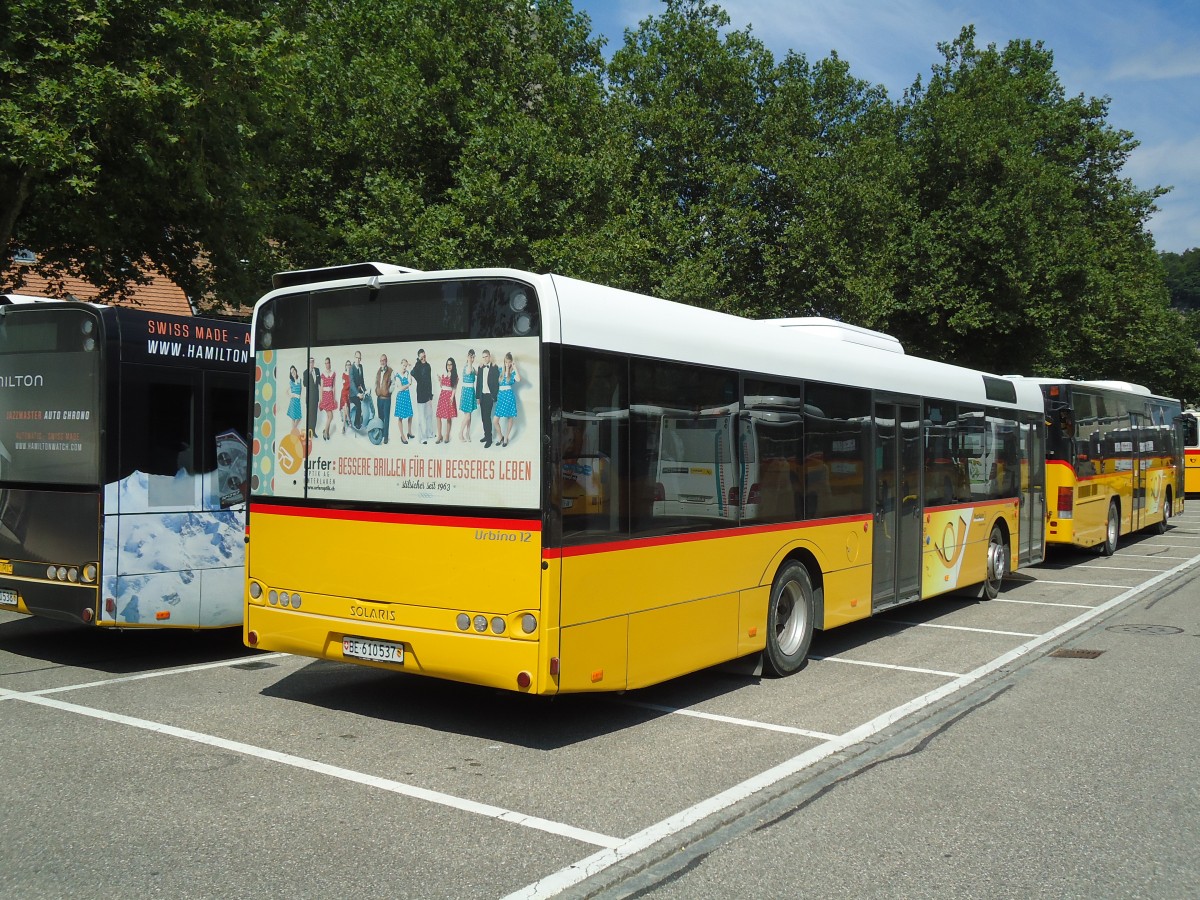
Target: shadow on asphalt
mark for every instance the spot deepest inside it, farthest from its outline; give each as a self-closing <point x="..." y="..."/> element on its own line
<point x="34" y="641"/>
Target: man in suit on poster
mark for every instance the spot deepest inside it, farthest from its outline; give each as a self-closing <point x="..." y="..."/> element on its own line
<point x="383" y="394"/>
<point x="312" y="394"/>
<point x="423" y="376"/>
<point x="487" y="386"/>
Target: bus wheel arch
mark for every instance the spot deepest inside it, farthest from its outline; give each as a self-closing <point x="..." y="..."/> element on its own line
<point x="1112" y="529"/>
<point x="999" y="559"/>
<point x="796" y="602"/>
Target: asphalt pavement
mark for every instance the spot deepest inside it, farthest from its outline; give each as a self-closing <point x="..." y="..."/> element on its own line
<point x="1073" y="772"/>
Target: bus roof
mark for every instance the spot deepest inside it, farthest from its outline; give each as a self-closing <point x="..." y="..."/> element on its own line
<point x="1121" y="387"/>
<point x="584" y="314"/>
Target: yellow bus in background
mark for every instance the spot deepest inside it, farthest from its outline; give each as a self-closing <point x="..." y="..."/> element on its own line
<point x="1114" y="461"/>
<point x="658" y="488"/>
<point x="1191" y="451"/>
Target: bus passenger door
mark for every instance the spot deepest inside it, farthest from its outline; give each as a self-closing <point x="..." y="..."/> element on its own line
<point x="1137" y="432"/>
<point x="897" y="543"/>
<point x="1033" y="495"/>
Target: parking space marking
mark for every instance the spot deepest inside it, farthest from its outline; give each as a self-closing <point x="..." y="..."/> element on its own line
<point x="385" y="784"/>
<point x="879" y="665"/>
<point x="556" y="882"/>
<point x="1115" y="587"/>
<point x="1041" y="603"/>
<point x="158" y="673"/>
<point x="965" y="628"/>
<point x="1111" y="568"/>
<point x="730" y="720"/>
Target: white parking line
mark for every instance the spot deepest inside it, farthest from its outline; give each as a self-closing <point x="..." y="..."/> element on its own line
<point x="287" y="759"/>
<point x="964" y="628"/>
<point x="1112" y="568"/>
<point x="1117" y="587"/>
<point x="159" y="673"/>
<point x="1041" y="603"/>
<point x="556" y="882"/>
<point x="879" y="665"/>
<point x="730" y="720"/>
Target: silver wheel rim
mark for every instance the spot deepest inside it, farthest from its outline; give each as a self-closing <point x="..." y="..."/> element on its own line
<point x="997" y="566"/>
<point x="1113" y="527"/>
<point x="791" y="614"/>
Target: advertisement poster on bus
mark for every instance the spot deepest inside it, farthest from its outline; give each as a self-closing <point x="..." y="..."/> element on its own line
<point x="442" y="423"/>
<point x="49" y="430"/>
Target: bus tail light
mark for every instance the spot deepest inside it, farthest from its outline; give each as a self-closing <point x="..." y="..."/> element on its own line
<point x="110" y="606"/>
<point x="734" y="499"/>
<point x="87" y="614"/>
<point x="752" y="495"/>
<point x="660" y="492"/>
<point x="1066" y="503"/>
<point x="524" y="680"/>
<point x="251" y="638"/>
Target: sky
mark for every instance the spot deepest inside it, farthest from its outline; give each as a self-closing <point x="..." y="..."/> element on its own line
<point x="1142" y="54"/>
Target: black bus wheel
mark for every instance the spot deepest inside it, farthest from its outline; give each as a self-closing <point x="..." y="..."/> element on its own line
<point x="997" y="564"/>
<point x="1112" y="531"/>
<point x="1160" y="527"/>
<point x="790" y="618"/>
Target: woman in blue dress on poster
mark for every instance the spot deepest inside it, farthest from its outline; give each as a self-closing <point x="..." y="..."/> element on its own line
<point x="467" y="403"/>
<point x="404" y="407"/>
<point x="294" y="412"/>
<point x="505" y="412"/>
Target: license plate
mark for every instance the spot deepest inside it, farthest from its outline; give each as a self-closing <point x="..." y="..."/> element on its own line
<point x="8" y="597"/>
<point x="374" y="651"/>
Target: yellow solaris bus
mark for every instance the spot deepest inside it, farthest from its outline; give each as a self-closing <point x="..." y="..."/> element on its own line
<point x="1114" y="461"/>
<point x="1191" y="451"/>
<point x="619" y="489"/>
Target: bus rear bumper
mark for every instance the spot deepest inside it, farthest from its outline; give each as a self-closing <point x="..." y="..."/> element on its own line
<point x="469" y="657"/>
<point x="66" y="602"/>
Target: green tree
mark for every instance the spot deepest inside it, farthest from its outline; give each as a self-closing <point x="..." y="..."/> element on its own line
<point x="687" y="100"/>
<point x="832" y="185"/>
<point x="436" y="134"/>
<point x="126" y="138"/>
<point x="1027" y="250"/>
<point x="1183" y="278"/>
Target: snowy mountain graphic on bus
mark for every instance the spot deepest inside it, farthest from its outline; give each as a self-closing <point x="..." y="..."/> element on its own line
<point x="172" y="554"/>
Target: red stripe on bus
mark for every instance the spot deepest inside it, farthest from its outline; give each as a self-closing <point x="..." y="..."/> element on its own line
<point x="669" y="539"/>
<point x="358" y="515"/>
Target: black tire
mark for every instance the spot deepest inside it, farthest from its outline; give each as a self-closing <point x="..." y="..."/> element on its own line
<point x="1161" y="526"/>
<point x="997" y="563"/>
<point x="790" y="619"/>
<point x="1112" y="531"/>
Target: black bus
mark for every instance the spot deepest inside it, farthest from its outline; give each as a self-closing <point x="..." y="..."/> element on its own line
<point x="123" y="464"/>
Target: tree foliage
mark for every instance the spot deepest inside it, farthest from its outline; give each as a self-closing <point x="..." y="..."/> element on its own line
<point x="126" y="130"/>
<point x="436" y="134"/>
<point x="983" y="217"/>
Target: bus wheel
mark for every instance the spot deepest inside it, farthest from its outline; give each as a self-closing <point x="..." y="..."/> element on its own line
<point x="1161" y="526"/>
<point x="790" y="619"/>
<point x="997" y="564"/>
<point x="1112" y="531"/>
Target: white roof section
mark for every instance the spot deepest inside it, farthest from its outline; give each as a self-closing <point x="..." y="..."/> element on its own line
<point x="23" y="298"/>
<point x="584" y="314"/>
<point x="833" y="330"/>
<point x="1125" y="387"/>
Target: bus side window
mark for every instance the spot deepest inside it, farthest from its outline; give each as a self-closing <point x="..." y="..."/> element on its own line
<point x="837" y="425"/>
<point x="771" y="451"/>
<point x="158" y="422"/>
<point x="683" y="473"/>
<point x="593" y="473"/>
